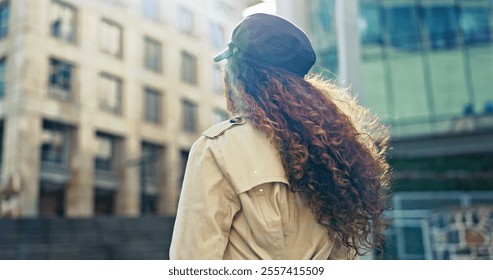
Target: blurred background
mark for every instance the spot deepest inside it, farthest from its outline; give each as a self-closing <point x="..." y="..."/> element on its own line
<point x="101" y="100"/>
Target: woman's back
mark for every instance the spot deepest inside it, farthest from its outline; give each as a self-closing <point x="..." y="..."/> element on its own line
<point x="261" y="217"/>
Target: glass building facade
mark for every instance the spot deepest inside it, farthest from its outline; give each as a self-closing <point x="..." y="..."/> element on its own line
<point x="427" y="71"/>
<point x="426" y="64"/>
<point x="322" y="28"/>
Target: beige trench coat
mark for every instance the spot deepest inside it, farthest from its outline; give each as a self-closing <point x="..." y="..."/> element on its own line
<point x="235" y="203"/>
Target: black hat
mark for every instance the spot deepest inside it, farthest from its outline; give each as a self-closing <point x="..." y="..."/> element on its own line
<point x="270" y="40"/>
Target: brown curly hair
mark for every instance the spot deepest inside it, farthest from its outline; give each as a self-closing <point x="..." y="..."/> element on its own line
<point x="332" y="149"/>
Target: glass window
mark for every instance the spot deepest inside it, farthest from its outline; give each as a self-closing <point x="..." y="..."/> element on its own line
<point x="63" y="22"/>
<point x="375" y="92"/>
<point x="405" y="81"/>
<point x="448" y="82"/>
<point x="220" y="115"/>
<point x="150" y="180"/>
<point x="217" y="36"/>
<point x="152" y="54"/>
<point x="54" y="143"/>
<point x="185" y="20"/>
<point x="110" y="93"/>
<point x="370" y="23"/>
<point x="51" y="202"/>
<point x="4" y="18"/>
<point x="323" y="32"/>
<point x="189" y="110"/>
<point x="1" y="144"/>
<point x="322" y="21"/>
<point x="150" y="159"/>
<point x="217" y="79"/>
<point x="150" y="9"/>
<point x="373" y="65"/>
<point x="409" y="92"/>
<point x="481" y="67"/>
<point x="475" y="21"/>
<point x="105" y="153"/>
<point x="104" y="201"/>
<point x="61" y="73"/>
<point x="183" y="163"/>
<point x="152" y="105"/>
<point x="401" y="27"/>
<point x="413" y="240"/>
<point x="188" y="68"/>
<point x="2" y="77"/>
<point x="442" y="25"/>
<point x="111" y="38"/>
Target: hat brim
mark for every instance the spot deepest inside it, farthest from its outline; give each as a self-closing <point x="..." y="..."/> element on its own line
<point x="223" y="55"/>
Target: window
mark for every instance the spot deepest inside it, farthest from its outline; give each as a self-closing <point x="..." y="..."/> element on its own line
<point x="51" y="201"/>
<point x="184" y="154"/>
<point x="475" y="23"/>
<point x="188" y="68"/>
<point x="150" y="158"/>
<point x="104" y="201"/>
<point x="60" y="79"/>
<point x="110" y="88"/>
<point x="370" y="27"/>
<point x="402" y="27"/>
<point x="63" y="22"/>
<point x="152" y="105"/>
<point x="2" y="77"/>
<point x="1" y="144"/>
<point x="220" y="115"/>
<point x="217" y="79"/>
<point x="54" y="143"/>
<point x="217" y="36"/>
<point x="152" y="54"/>
<point x="150" y="179"/>
<point x="4" y="18"/>
<point x="106" y="153"/>
<point x="111" y="38"/>
<point x="189" y="110"/>
<point x="185" y="20"/>
<point x="150" y="9"/>
<point x="442" y="26"/>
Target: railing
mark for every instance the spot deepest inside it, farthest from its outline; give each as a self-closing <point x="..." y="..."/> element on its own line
<point x="98" y="238"/>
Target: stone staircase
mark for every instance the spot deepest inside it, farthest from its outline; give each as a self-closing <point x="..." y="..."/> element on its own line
<point x="100" y="238"/>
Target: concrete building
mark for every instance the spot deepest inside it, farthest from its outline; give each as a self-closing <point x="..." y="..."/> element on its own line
<point x="425" y="68"/>
<point x="100" y="101"/>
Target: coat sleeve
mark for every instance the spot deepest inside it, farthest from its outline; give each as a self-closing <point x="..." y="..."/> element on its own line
<point x="206" y="208"/>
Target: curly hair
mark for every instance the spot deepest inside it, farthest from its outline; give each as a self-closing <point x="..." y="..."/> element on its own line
<point x="332" y="149"/>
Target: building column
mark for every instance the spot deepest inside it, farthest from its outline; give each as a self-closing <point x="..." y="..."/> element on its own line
<point x="79" y="195"/>
<point x="170" y="190"/>
<point x="22" y="137"/>
<point x="22" y="125"/>
<point x="349" y="45"/>
<point x="127" y="198"/>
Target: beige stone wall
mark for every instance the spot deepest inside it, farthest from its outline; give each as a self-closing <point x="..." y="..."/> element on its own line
<point x="27" y="103"/>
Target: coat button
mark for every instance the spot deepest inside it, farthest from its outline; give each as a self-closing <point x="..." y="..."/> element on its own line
<point x="236" y="120"/>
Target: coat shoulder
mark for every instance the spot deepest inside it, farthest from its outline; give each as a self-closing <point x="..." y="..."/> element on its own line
<point x="217" y="130"/>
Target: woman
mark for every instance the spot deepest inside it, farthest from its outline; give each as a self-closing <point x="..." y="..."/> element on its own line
<point x="300" y="173"/>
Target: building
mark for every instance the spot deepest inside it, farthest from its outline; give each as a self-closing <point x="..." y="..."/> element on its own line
<point x="100" y="101"/>
<point x="425" y="68"/>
